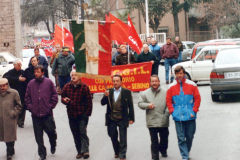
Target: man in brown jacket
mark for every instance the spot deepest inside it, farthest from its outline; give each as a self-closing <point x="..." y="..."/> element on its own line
<point x="10" y="106"/>
<point x="122" y="58"/>
<point x="169" y="52"/>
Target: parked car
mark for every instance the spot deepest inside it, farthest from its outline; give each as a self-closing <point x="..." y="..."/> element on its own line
<point x="197" y="48"/>
<point x="199" y="68"/>
<point x="6" y="62"/>
<point x="225" y="75"/>
<point x="28" y="54"/>
<point x="187" y="47"/>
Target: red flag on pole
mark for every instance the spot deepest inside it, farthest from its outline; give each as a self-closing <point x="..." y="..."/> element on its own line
<point x="119" y="30"/>
<point x="134" y="40"/>
<point x="107" y="19"/>
<point x="67" y="37"/>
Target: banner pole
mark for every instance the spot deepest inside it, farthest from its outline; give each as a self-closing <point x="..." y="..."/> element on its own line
<point x="128" y="55"/>
<point x="105" y="85"/>
<point x="62" y="33"/>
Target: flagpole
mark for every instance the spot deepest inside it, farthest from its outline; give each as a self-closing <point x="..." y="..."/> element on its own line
<point x="128" y="55"/>
<point x="147" y="23"/>
<point x="62" y="33"/>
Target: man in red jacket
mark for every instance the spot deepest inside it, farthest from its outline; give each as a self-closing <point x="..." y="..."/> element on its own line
<point x="183" y="100"/>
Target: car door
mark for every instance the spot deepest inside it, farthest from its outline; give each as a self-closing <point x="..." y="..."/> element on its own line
<point x="3" y="65"/>
<point x="202" y="65"/>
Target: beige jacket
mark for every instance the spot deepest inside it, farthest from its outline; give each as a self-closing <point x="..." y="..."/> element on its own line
<point x="10" y="106"/>
<point x="159" y="116"/>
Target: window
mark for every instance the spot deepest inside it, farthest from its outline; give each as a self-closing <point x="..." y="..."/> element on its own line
<point x="163" y="30"/>
<point x="207" y="55"/>
<point x="2" y="60"/>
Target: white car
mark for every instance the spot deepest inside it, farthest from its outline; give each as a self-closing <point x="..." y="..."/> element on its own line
<point x="6" y="62"/>
<point x="200" y="67"/>
<point x="187" y="48"/>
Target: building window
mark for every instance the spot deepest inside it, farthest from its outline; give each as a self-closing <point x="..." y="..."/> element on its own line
<point x="163" y="30"/>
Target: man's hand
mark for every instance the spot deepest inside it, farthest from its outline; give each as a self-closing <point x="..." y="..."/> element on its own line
<point x="22" y="79"/>
<point x="131" y="122"/>
<point x="66" y="100"/>
<point x="106" y="93"/>
<point x="152" y="62"/>
<point x="151" y="106"/>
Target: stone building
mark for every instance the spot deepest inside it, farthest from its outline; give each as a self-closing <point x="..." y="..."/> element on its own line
<point x="10" y="27"/>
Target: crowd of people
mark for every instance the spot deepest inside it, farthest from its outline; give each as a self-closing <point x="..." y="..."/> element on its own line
<point x="32" y="90"/>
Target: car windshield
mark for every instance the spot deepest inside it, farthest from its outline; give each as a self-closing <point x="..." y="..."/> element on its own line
<point x="10" y="57"/>
<point x="190" y="45"/>
<point x="28" y="53"/>
<point x="201" y="47"/>
<point x="231" y="56"/>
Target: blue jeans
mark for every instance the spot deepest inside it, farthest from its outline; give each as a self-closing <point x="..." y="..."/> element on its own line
<point x="63" y="80"/>
<point x="180" y="57"/>
<point x="167" y="63"/>
<point x="185" y="133"/>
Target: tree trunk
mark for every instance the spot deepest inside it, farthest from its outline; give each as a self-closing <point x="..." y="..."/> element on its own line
<point x="47" y="24"/>
<point x="175" y="17"/>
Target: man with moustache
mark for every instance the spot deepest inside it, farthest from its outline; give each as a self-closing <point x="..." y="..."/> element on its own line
<point x="76" y="95"/>
<point x="120" y="113"/>
<point x="153" y="100"/>
<point x="40" y="99"/>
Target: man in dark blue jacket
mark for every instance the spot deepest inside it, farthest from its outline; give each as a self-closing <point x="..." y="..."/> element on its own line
<point x="155" y="49"/>
<point x="42" y="61"/>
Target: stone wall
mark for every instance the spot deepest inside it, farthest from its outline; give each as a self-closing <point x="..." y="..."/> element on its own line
<point x="10" y="27"/>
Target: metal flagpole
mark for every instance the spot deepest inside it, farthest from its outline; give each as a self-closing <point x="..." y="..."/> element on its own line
<point x="62" y="33"/>
<point x="147" y="23"/>
<point x="128" y="55"/>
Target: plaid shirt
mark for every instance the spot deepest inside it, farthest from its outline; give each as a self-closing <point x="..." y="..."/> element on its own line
<point x="80" y="99"/>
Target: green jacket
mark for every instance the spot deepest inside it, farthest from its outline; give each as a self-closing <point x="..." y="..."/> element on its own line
<point x="158" y="116"/>
<point x="63" y="64"/>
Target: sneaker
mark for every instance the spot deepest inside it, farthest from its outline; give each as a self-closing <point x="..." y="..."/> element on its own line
<point x="85" y="155"/>
<point x="79" y="155"/>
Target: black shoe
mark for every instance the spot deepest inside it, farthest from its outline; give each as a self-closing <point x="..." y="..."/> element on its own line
<point x="164" y="155"/>
<point x="42" y="158"/>
<point x="9" y="157"/>
<point x="21" y="126"/>
<point x="85" y="155"/>
<point x="167" y="82"/>
<point x="79" y="155"/>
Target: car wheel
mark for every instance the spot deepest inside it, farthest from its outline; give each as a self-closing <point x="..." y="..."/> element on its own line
<point x="215" y="97"/>
<point x="187" y="76"/>
<point x="195" y="81"/>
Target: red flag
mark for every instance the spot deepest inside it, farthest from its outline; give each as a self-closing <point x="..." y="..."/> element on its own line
<point x="48" y="52"/>
<point x="119" y="30"/>
<point x="134" y="40"/>
<point x="63" y="37"/>
<point x="68" y="39"/>
<point x="58" y="35"/>
<point x="107" y="19"/>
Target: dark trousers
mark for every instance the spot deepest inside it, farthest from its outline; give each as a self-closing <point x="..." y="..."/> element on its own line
<point x="21" y="116"/>
<point x="78" y="127"/>
<point x="157" y="147"/>
<point x="10" y="148"/>
<point x="46" y="124"/>
<point x="120" y="148"/>
<point x="63" y="80"/>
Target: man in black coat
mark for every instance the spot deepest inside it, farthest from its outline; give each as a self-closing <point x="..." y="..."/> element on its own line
<point x="42" y="61"/>
<point x="29" y="72"/>
<point x="120" y="113"/>
<point x="147" y="56"/>
<point x="17" y="81"/>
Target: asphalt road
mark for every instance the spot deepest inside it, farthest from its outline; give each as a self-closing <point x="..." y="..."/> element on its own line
<point x="217" y="135"/>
